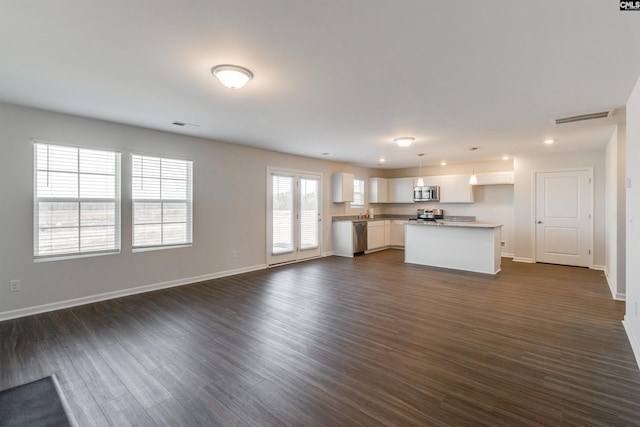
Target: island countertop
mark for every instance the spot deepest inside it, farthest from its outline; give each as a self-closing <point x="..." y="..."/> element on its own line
<point x="465" y="224"/>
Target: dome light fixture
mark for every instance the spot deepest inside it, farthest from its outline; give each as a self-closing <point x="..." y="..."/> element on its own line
<point x="404" y="141"/>
<point x="232" y="76"/>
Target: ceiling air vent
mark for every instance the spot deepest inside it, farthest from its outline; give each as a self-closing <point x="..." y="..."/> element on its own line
<point x="582" y="117"/>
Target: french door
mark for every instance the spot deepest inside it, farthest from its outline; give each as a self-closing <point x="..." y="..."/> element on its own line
<point x="293" y="216"/>
<point x="564" y="224"/>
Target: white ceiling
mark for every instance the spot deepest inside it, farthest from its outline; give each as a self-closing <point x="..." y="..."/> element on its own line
<point x="332" y="76"/>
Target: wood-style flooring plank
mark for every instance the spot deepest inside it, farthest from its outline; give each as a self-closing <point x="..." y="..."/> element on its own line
<point x="334" y="341"/>
<point x="125" y="411"/>
<point x="84" y="407"/>
<point x="140" y="383"/>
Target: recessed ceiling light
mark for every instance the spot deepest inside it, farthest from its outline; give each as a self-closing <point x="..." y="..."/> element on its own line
<point x="404" y="141"/>
<point x="186" y="125"/>
<point x="443" y="163"/>
<point x="505" y="157"/>
<point x="549" y="141"/>
<point x="232" y="76"/>
<point x="382" y="160"/>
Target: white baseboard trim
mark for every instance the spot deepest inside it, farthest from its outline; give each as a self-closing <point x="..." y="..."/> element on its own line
<point x="28" y="311"/>
<point x="328" y="253"/>
<point x="506" y="255"/>
<point x="519" y="259"/>
<point x="614" y="294"/>
<point x="599" y="267"/>
<point x="634" y="340"/>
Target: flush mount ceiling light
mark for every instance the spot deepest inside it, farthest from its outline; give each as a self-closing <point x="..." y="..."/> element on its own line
<point x="549" y="141"/>
<point x="404" y="141"/>
<point x="232" y="76"/>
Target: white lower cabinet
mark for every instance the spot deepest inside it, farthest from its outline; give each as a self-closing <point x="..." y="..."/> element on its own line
<point x="375" y="235"/>
<point x="387" y="232"/>
<point x="397" y="233"/>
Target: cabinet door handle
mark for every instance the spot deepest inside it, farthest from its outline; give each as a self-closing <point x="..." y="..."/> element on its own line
<point x="539" y="222"/>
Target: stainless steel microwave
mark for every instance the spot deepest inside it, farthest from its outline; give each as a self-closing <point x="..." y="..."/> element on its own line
<point x="426" y="194"/>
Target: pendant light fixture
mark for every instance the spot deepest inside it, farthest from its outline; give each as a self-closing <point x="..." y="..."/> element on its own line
<point x="420" y="182"/>
<point x="232" y="76"/>
<point x="474" y="178"/>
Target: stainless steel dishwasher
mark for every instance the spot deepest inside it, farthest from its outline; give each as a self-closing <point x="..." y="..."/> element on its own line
<point x="359" y="237"/>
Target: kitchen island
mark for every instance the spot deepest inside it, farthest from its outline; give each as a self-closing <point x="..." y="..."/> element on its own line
<point x="469" y="246"/>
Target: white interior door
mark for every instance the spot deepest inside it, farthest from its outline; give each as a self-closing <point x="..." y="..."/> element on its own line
<point x="294" y="215"/>
<point x="564" y="206"/>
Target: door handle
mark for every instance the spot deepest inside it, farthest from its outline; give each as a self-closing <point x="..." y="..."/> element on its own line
<point x="539" y="222"/>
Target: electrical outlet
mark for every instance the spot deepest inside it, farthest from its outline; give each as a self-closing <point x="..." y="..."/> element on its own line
<point x="14" y="285"/>
<point x="503" y="244"/>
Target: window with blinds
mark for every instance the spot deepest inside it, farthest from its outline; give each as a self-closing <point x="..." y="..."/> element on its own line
<point x="309" y="227"/>
<point x="358" y="194"/>
<point x="282" y="214"/>
<point x="76" y="201"/>
<point x="162" y="201"/>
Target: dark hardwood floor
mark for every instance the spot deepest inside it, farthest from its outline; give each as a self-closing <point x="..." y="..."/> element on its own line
<point x="365" y="341"/>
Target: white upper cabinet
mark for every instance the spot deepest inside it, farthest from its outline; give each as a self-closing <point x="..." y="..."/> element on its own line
<point x="495" y="178"/>
<point x="378" y="190"/>
<point x="429" y="181"/>
<point x="401" y="190"/>
<point x="456" y="189"/>
<point x="342" y="187"/>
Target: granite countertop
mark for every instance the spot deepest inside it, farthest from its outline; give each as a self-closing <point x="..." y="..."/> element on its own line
<point x="404" y="217"/>
<point x="466" y="224"/>
<point x="380" y="217"/>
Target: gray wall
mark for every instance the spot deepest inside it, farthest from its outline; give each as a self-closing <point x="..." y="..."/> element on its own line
<point x="632" y="317"/>
<point x="228" y="215"/>
<point x="524" y="167"/>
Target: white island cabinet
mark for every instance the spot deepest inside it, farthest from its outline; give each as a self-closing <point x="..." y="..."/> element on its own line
<point x="460" y="246"/>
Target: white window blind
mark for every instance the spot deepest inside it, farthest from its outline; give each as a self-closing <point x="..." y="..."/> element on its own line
<point x="309" y="213"/>
<point x="76" y="201"/>
<point x="282" y="225"/>
<point x="162" y="201"/>
<point x="358" y="193"/>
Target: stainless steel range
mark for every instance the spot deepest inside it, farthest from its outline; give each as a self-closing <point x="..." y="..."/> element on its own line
<point x="428" y="215"/>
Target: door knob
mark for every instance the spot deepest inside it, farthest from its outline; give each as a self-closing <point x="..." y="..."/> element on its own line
<point x="539" y="222"/>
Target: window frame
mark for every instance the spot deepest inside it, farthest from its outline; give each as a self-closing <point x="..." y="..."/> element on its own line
<point x="116" y="200"/>
<point x="354" y="204"/>
<point x="188" y="205"/>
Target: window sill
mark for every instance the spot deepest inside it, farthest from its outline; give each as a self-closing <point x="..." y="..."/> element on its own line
<point x="65" y="257"/>
<point x="159" y="248"/>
